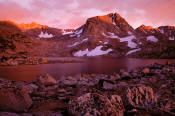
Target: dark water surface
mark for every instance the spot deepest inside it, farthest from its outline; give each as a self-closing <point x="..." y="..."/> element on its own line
<point x="90" y="65"/>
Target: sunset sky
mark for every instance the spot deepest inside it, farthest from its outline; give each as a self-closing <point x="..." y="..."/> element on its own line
<point x="73" y="13"/>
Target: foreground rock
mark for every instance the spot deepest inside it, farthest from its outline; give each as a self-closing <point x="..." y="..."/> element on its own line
<point x="148" y="90"/>
<point x="46" y="80"/>
<point x="92" y="104"/>
<point x="140" y="96"/>
<point x="14" y="99"/>
<point x="22" y="61"/>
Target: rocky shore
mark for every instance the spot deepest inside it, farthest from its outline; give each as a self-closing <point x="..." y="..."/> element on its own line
<point x="22" y="61"/>
<point x="145" y="91"/>
<point x="37" y="60"/>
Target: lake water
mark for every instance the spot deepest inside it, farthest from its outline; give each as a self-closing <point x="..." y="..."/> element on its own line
<point x="89" y="65"/>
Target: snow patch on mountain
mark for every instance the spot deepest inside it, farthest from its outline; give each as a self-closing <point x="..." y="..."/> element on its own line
<point x="112" y="17"/>
<point x="95" y="52"/>
<point x="133" y="51"/>
<point x="77" y="43"/>
<point x="66" y="32"/>
<point x="45" y="35"/>
<point x="171" y="38"/>
<point x="161" y="31"/>
<point x="129" y="39"/>
<point x="81" y="53"/>
<point x="106" y="42"/>
<point x="130" y="33"/>
<point x="152" y="38"/>
<point x="77" y="33"/>
<point x="111" y="35"/>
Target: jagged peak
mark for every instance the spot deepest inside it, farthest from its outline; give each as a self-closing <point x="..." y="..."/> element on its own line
<point x="111" y="22"/>
<point x="146" y="27"/>
<point x="31" y="25"/>
<point x="167" y="27"/>
<point x="109" y="18"/>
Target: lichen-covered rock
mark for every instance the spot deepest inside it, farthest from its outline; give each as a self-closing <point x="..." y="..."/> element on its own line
<point x="140" y="96"/>
<point x="46" y="80"/>
<point x="93" y="104"/>
<point x="14" y="99"/>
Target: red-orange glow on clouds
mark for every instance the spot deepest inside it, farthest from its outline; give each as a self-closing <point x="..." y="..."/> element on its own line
<point x="73" y="13"/>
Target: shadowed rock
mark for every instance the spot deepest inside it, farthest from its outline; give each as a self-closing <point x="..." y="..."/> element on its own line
<point x="93" y="104"/>
<point x="46" y="80"/>
<point x="14" y="99"/>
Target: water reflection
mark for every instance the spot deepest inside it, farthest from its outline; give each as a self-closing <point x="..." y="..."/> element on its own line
<point x="91" y="65"/>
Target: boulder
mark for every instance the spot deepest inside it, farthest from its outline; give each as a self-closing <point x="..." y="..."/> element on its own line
<point x="93" y="104"/>
<point x="124" y="74"/>
<point x="68" y="81"/>
<point x="14" y="99"/>
<point x="107" y="84"/>
<point x="140" y="96"/>
<point x="46" y="80"/>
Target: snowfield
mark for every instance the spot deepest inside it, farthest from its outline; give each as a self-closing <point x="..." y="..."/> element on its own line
<point x="133" y="51"/>
<point x="77" y="43"/>
<point x="111" y="35"/>
<point x="77" y="33"/>
<point x="129" y="39"/>
<point x="45" y="35"/>
<point x="161" y="31"/>
<point x="95" y="52"/>
<point x="152" y="39"/>
<point x="66" y="32"/>
<point x="130" y="33"/>
<point x="171" y="38"/>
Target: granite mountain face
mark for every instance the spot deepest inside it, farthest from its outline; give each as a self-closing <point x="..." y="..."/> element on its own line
<point x="108" y="35"/>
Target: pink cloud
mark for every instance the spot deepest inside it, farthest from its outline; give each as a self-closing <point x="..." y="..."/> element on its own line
<point x="73" y="13"/>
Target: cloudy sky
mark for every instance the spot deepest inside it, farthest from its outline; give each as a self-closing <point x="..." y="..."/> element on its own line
<point x="73" y="13"/>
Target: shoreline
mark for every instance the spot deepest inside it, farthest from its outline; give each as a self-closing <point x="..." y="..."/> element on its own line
<point x="51" y="60"/>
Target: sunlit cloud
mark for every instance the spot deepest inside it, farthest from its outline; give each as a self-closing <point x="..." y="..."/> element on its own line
<point x="74" y="13"/>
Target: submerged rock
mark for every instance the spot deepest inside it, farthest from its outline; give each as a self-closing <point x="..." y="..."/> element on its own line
<point x="93" y="104"/>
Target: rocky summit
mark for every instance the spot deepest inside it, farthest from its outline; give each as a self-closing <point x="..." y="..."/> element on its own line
<point x="148" y="91"/>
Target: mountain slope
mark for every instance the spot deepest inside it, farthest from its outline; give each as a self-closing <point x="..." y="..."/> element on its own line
<point x="17" y="43"/>
<point x="111" y="35"/>
<point x="13" y="41"/>
<point x="107" y="35"/>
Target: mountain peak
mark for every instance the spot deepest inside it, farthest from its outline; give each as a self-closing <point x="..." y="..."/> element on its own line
<point x="31" y="25"/>
<point x="146" y="27"/>
<point x="112" y="22"/>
